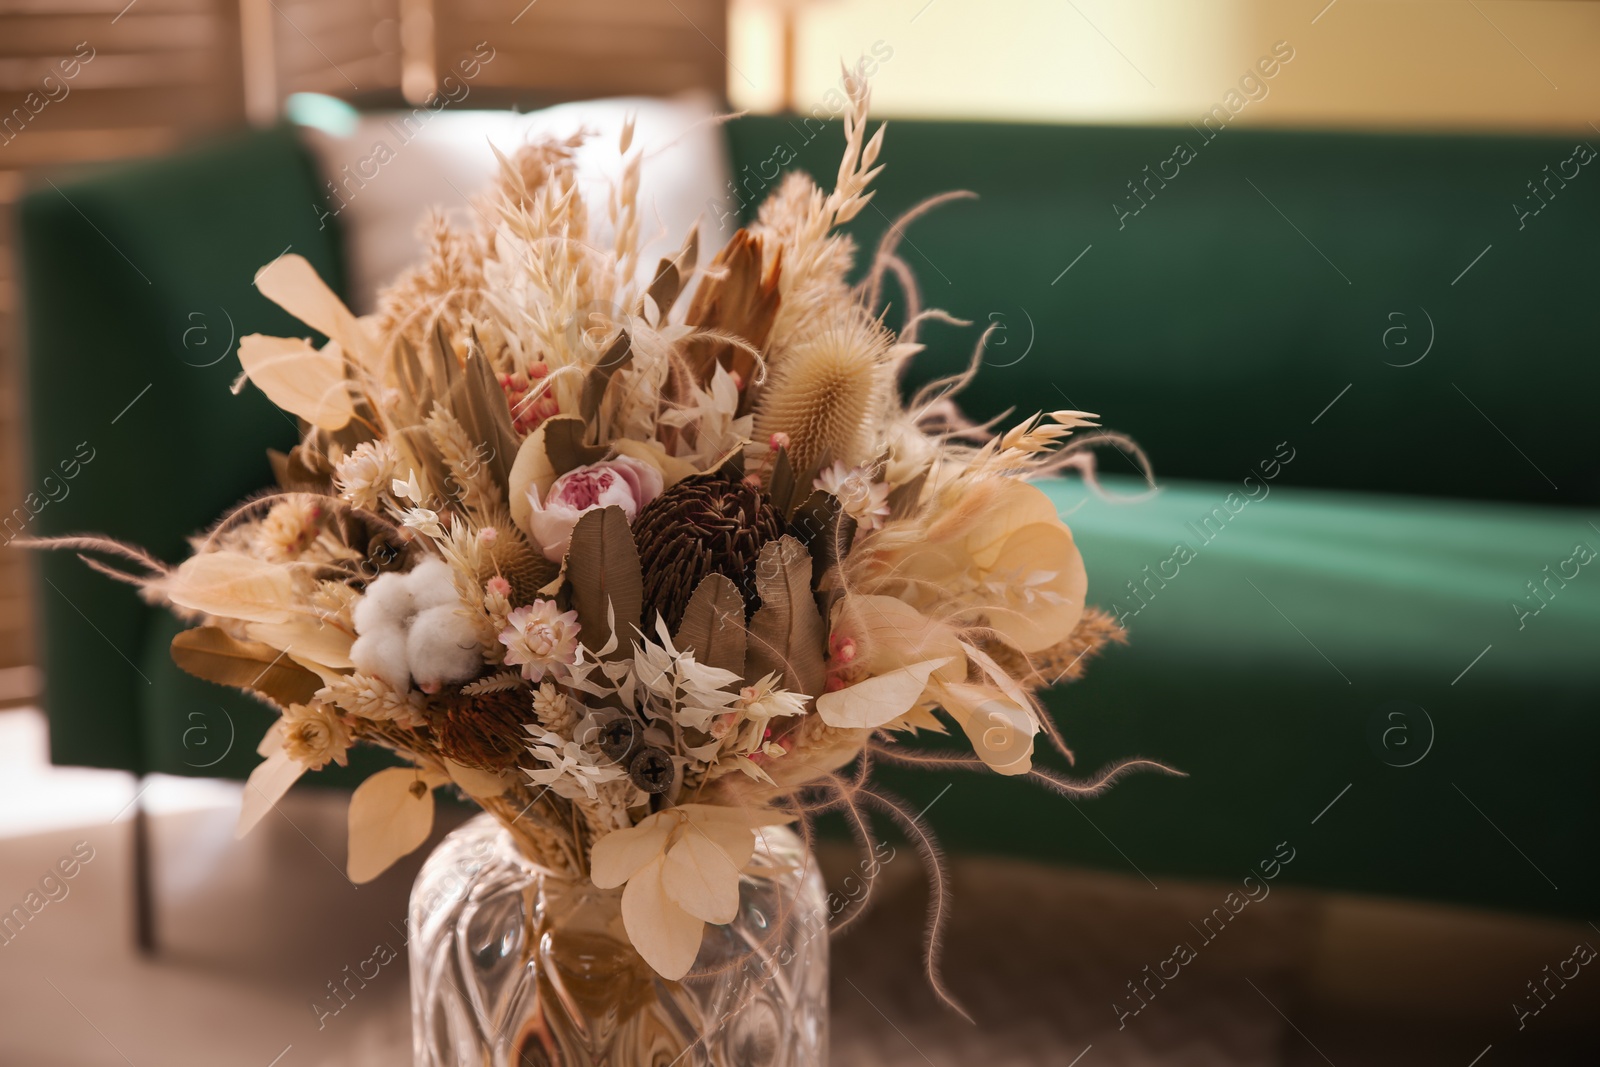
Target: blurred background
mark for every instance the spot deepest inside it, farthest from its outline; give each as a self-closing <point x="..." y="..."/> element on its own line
<point x="1378" y="285"/>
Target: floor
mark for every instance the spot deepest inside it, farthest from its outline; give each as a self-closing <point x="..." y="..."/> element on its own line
<point x="1044" y="960"/>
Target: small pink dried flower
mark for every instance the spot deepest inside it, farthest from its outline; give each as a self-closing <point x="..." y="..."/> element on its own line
<point x="540" y="638"/>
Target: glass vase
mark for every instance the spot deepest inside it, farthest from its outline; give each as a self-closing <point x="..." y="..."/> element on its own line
<point x="515" y="965"/>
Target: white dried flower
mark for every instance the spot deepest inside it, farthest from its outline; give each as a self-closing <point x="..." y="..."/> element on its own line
<point x="363" y="474"/>
<point x="313" y="734"/>
<point x="863" y="499"/>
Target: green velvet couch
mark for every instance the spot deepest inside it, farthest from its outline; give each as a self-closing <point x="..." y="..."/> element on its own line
<point x="1360" y="610"/>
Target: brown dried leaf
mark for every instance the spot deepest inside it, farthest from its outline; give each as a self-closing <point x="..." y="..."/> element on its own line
<point x="782" y="487"/>
<point x="713" y="624"/>
<point x="822" y="526"/>
<point x="736" y="297"/>
<point x="564" y="445"/>
<point x="903" y="499"/>
<point x="210" y="653"/>
<point x="604" y="579"/>
<point x="786" y="632"/>
<point x="599" y="378"/>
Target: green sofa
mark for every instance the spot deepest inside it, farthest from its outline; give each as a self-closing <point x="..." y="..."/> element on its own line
<point x="1363" y="383"/>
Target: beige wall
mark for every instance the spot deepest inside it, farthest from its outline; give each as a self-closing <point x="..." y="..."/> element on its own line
<point x="1504" y="64"/>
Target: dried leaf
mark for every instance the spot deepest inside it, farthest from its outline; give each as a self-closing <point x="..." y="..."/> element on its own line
<point x="442" y="363"/>
<point x="210" y="653"/>
<point x="671" y="273"/>
<point x="713" y="624"/>
<point x="665" y="286"/>
<point x="307" y="638"/>
<point x="786" y="632"/>
<point x="292" y="283"/>
<point x="268" y="782"/>
<point x="473" y="782"/>
<point x="903" y="499"/>
<point x="782" y="488"/>
<point x="600" y="374"/>
<point x="822" y="526"/>
<point x="479" y="404"/>
<point x="603" y="575"/>
<point x="880" y="700"/>
<point x="302" y="380"/>
<point x="564" y="445"/>
<point x="663" y="933"/>
<point x="387" y="820"/>
<point x="532" y="470"/>
<point x="735" y="297"/>
<point x="233" y="586"/>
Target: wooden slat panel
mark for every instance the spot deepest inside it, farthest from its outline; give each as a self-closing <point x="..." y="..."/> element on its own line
<point x="161" y="70"/>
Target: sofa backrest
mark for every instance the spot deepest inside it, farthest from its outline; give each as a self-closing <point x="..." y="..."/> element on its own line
<point x="137" y="284"/>
<point x="1410" y="313"/>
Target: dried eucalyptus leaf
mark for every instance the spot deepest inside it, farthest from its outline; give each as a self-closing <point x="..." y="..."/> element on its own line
<point x="713" y="624"/>
<point x="564" y="446"/>
<point x="209" y="652"/>
<point x="786" y="632"/>
<point x="603" y="576"/>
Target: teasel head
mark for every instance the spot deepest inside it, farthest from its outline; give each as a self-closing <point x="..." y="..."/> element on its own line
<point x="708" y="524"/>
<point x="509" y="555"/>
<point x="826" y="392"/>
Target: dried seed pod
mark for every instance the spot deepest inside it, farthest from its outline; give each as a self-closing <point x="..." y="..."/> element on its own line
<point x="651" y="771"/>
<point x="710" y="523"/>
<point x="618" y="737"/>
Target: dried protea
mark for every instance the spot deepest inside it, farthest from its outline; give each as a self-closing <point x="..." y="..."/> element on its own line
<point x="708" y="524"/>
<point x="826" y="391"/>
<point x="483" y="731"/>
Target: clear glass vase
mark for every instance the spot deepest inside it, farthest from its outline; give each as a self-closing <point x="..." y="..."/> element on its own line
<point x="514" y="965"/>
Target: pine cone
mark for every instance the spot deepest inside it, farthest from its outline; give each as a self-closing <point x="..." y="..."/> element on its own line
<point x="708" y="524"/>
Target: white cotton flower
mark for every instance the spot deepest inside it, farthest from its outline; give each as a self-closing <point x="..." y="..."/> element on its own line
<point x="411" y="628"/>
<point x="442" y="648"/>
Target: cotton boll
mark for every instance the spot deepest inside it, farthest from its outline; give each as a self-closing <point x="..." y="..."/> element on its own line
<point x="442" y="648"/>
<point x="382" y="654"/>
<point x="432" y="585"/>
<point x="387" y="603"/>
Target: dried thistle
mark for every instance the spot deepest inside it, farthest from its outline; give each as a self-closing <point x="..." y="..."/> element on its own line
<point x="826" y="393"/>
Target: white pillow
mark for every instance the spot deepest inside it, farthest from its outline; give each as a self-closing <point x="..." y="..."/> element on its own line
<point x="387" y="169"/>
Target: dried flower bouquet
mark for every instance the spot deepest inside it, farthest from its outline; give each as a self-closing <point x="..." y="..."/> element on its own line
<point x="640" y="568"/>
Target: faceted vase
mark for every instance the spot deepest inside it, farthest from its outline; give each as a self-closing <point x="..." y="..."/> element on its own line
<point x="515" y="965"/>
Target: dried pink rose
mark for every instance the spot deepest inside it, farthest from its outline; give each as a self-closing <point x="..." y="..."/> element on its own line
<point x="625" y="482"/>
